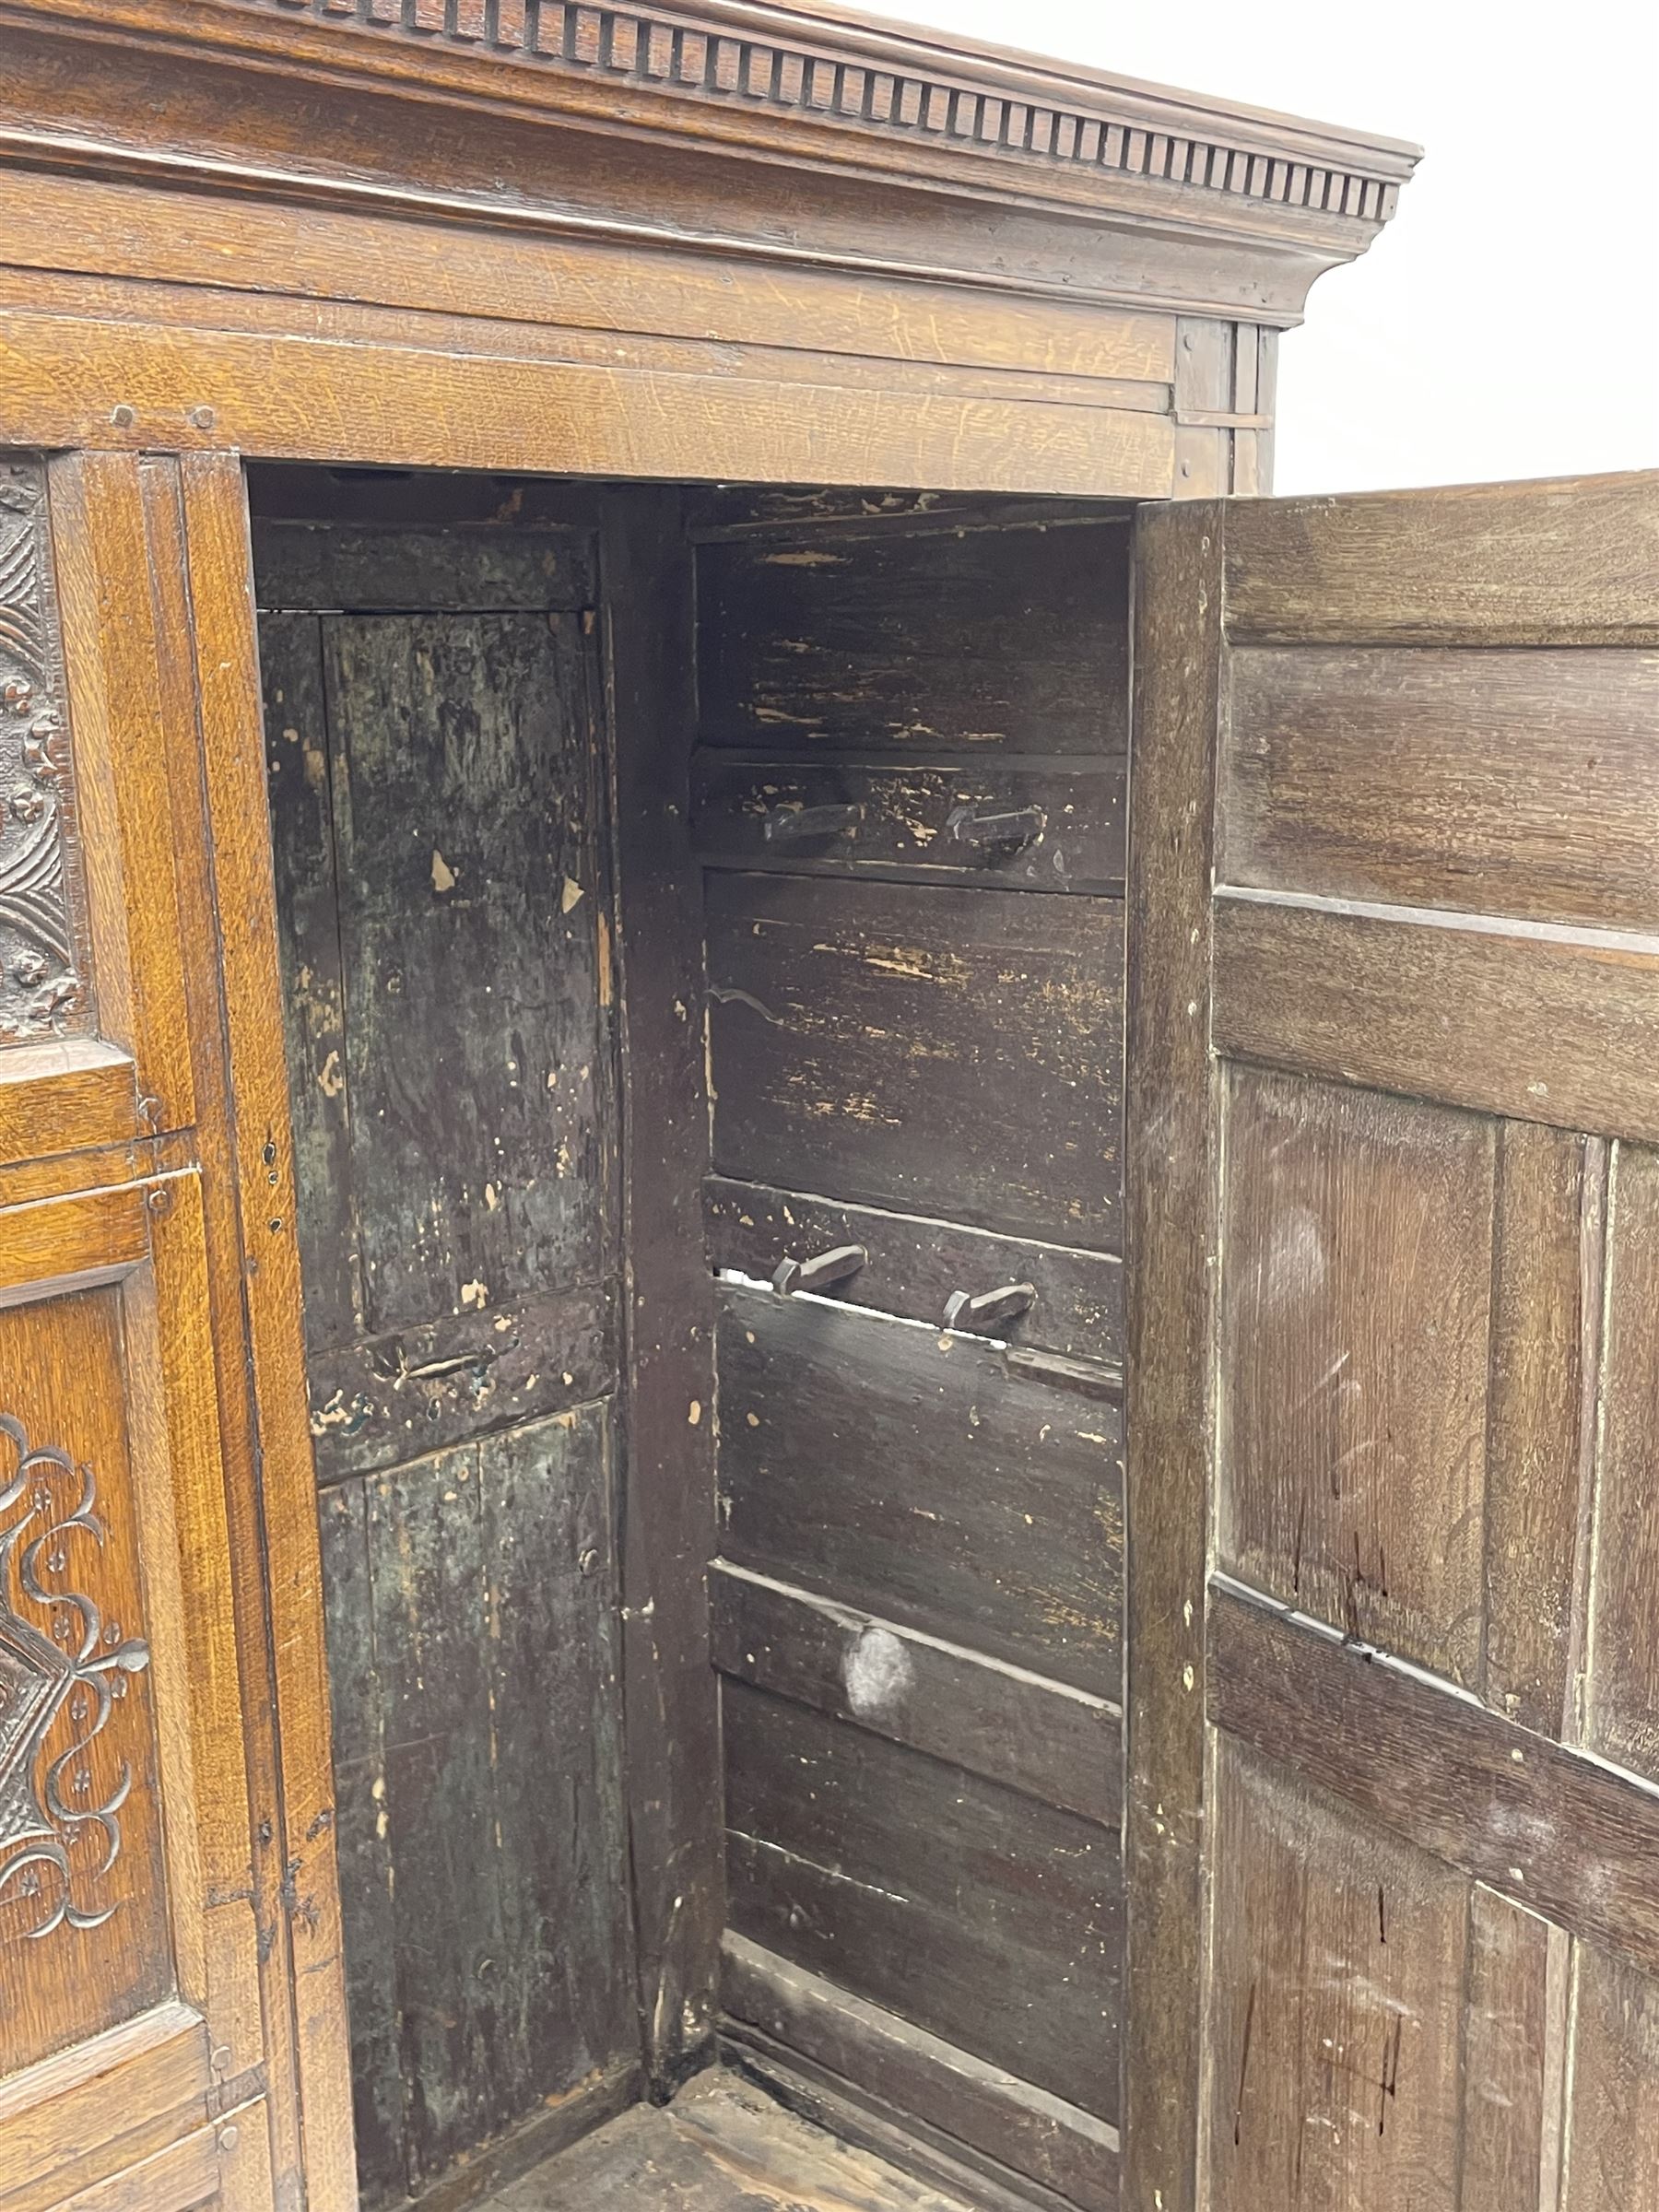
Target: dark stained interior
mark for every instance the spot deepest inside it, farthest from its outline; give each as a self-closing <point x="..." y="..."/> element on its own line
<point x="677" y="887"/>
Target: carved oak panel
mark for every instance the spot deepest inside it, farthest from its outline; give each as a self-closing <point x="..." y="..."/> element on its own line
<point x="43" y="976"/>
<point x="83" y="1940"/>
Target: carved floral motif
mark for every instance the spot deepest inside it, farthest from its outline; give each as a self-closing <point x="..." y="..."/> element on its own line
<point x="42" y="990"/>
<point x="60" y="1828"/>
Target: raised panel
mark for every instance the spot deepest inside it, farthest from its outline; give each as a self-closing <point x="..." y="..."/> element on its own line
<point x="1612" y="2155"/>
<point x="1622" y="1694"/>
<point x="1355" y="1307"/>
<point x="84" y="1937"/>
<point x="925" y="1478"/>
<point x="923" y="644"/>
<point x="1487" y="782"/>
<point x="1336" y="2002"/>
<point x="933" y="1051"/>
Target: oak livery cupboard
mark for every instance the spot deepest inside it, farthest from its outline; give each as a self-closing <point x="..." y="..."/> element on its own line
<point x="974" y="1441"/>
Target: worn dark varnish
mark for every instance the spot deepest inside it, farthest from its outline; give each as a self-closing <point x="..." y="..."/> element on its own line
<point x="993" y="641"/>
<point x="923" y="1479"/>
<point x="1038" y="825"/>
<point x="668" y="1533"/>
<point x="935" y="1050"/>
<point x="963" y="1906"/>
<point x="914" y="1268"/>
<point x="1061" y="1746"/>
<point x="481" y="1807"/>
<point x="442" y="887"/>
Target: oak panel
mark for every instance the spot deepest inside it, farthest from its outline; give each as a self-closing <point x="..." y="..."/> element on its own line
<point x="915" y="1267"/>
<point x="925" y="1480"/>
<point x="1613" y="2147"/>
<point x="1000" y="1105"/>
<point x="1336" y="2000"/>
<point x="285" y="397"/>
<point x="791" y="2015"/>
<point x="1355" y="1297"/>
<point x="1622" y="1693"/>
<point x="1061" y="1746"/>
<point x="987" y="641"/>
<point x="469" y="914"/>
<point x="959" y="1905"/>
<point x="1559" y="1027"/>
<point x="84" y="1935"/>
<point x="1495" y="781"/>
<point x="1064" y="826"/>
<point x="1554" y="1829"/>
<point x="1547" y="563"/>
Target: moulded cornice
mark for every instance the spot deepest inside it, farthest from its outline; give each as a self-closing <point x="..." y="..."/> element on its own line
<point x="827" y="86"/>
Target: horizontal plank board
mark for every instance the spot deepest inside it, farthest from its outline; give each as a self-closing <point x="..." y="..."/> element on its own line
<point x="925" y="1480"/>
<point x="1497" y="781"/>
<point x="1554" y="1829"/>
<point x="792" y="511"/>
<point x="929" y="1050"/>
<point x="438" y="406"/>
<point x="996" y="643"/>
<point x="69" y="1243"/>
<point x="185" y="237"/>
<point x="332" y="566"/>
<point x="1554" y="562"/>
<point x="963" y="1907"/>
<point x="1525" y="1020"/>
<point x="916" y="1265"/>
<point x="69" y="2120"/>
<point x="66" y="1095"/>
<point x="1033" y="826"/>
<point x="424" y="1388"/>
<point x="1035" y="2134"/>
<point x="1055" y="1744"/>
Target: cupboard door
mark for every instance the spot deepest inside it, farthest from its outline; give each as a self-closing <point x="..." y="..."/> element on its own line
<point x="148" y="1901"/>
<point x="1393" y="1650"/>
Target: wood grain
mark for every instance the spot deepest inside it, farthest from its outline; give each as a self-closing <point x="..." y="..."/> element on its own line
<point x="1336" y="1987"/>
<point x="1622" y="1659"/>
<point x="901" y="822"/>
<point x="1009" y="1007"/>
<point x="921" y="643"/>
<point x="1062" y="1746"/>
<point x="1034" y="2134"/>
<point x="1560" y="1832"/>
<point x="1566" y="562"/>
<point x="668" y="1482"/>
<point x="1559" y="1028"/>
<point x="1350" y="1477"/>
<point x="924" y="1479"/>
<point x="1492" y="780"/>
<point x="930" y="1892"/>
<point x="916" y="1264"/>
<point x="1170" y="1245"/>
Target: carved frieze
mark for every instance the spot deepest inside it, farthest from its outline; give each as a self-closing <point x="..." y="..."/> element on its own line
<point x="63" y="1668"/>
<point x="44" y="988"/>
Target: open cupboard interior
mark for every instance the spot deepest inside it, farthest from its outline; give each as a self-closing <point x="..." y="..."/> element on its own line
<point x="829" y="1201"/>
<point x="676" y="885"/>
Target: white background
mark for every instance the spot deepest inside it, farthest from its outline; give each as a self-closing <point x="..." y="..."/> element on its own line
<point x="1507" y="321"/>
